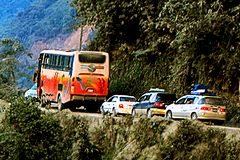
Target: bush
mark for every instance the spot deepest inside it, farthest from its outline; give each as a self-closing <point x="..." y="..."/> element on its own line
<point x="29" y="134"/>
<point x="233" y="111"/>
<point x="194" y="141"/>
<point x="76" y="140"/>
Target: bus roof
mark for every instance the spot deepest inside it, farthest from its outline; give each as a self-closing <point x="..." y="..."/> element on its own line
<point x="69" y="53"/>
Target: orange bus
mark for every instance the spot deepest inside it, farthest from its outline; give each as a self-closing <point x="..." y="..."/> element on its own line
<point x="73" y="78"/>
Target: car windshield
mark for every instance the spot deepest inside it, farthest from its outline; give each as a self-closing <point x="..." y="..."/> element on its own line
<point x="166" y="98"/>
<point x="34" y="87"/>
<point x="214" y="101"/>
<point x="127" y="99"/>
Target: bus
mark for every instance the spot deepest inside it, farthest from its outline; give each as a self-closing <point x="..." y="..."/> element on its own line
<point x="73" y="78"/>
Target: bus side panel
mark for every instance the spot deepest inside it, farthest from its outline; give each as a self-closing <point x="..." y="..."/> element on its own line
<point x="64" y="88"/>
<point x="50" y="84"/>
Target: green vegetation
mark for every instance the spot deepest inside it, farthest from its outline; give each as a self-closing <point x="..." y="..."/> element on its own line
<point x="36" y="20"/>
<point x="10" y="51"/>
<point x="28" y="133"/>
<point x="169" y="44"/>
<point x="9" y="8"/>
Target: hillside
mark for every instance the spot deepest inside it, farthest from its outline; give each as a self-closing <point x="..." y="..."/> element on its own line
<point x="39" y="25"/>
<point x="10" y="8"/>
<point x="36" y="20"/>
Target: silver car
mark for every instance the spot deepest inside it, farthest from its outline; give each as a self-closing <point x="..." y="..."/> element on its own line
<point x="197" y="107"/>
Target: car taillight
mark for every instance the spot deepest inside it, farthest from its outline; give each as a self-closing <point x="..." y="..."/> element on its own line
<point x="221" y="109"/>
<point x="159" y="104"/>
<point x="204" y="108"/>
<point x="120" y="105"/>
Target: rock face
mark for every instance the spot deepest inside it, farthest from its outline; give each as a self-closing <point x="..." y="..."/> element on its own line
<point x="63" y="42"/>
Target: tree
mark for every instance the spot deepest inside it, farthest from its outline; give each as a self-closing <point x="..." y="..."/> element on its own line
<point x="10" y="50"/>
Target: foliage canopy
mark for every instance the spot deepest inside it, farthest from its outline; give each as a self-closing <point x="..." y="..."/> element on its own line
<point x="177" y="42"/>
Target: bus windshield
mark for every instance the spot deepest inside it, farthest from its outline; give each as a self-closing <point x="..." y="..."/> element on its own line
<point x="92" y="58"/>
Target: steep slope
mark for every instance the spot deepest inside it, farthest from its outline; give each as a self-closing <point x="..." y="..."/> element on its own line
<point x="38" y="20"/>
<point x="38" y="24"/>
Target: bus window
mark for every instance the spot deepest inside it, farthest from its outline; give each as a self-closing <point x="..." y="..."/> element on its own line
<point x="92" y="58"/>
<point x="51" y="61"/>
<point x="66" y="63"/>
<point x="59" y="62"/>
<point x="46" y="61"/>
<point x="54" y="62"/>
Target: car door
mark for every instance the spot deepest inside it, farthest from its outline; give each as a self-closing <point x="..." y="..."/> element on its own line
<point x="188" y="107"/>
<point x="138" y="105"/>
<point x="114" y="103"/>
<point x="145" y="103"/>
<point x="177" y="109"/>
<point x="108" y="105"/>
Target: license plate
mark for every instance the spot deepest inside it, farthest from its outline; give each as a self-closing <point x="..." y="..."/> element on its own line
<point x="214" y="109"/>
<point x="90" y="90"/>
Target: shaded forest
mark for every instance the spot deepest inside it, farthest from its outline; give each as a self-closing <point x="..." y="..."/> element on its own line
<point x="169" y="44"/>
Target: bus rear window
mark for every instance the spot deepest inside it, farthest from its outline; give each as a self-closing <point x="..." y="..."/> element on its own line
<point x="92" y="58"/>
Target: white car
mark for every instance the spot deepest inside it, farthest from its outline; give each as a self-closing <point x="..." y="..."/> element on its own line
<point x="118" y="104"/>
<point x="32" y="92"/>
<point x="197" y="107"/>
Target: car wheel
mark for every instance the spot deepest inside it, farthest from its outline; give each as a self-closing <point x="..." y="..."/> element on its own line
<point x="102" y="110"/>
<point x="73" y="108"/>
<point x="59" y="103"/>
<point x="149" y="113"/>
<point x="169" y="115"/>
<point x="193" y="116"/>
<point x="114" y="112"/>
<point x="133" y="112"/>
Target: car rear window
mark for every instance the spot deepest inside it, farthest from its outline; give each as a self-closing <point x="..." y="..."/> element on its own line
<point x="212" y="101"/>
<point x="166" y="98"/>
<point x="127" y="99"/>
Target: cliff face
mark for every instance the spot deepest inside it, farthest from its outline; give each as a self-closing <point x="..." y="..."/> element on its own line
<point x="63" y="42"/>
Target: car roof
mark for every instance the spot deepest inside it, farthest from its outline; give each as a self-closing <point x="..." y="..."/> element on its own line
<point x="155" y="90"/>
<point x="203" y="96"/>
<point x="148" y="93"/>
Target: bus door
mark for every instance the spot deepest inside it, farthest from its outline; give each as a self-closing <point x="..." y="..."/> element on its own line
<point x="38" y="74"/>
